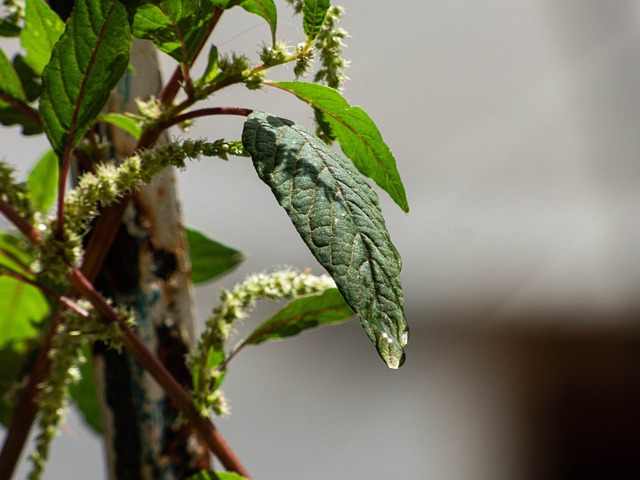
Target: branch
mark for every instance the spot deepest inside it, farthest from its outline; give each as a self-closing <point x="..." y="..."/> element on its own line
<point x="204" y="112"/>
<point x="21" y="224"/>
<point x="205" y="429"/>
<point x="67" y="302"/>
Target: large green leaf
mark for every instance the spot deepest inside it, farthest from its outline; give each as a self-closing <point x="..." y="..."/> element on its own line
<point x="209" y="259"/>
<point x="86" y="63"/>
<point x="263" y="8"/>
<point x="302" y="314"/>
<point x="43" y="182"/>
<point x="337" y="214"/>
<point x="313" y="14"/>
<point x="42" y="28"/>
<point x="358" y="135"/>
<point x="176" y="28"/>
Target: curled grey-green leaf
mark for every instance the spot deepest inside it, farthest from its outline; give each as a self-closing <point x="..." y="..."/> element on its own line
<point x="338" y="216"/>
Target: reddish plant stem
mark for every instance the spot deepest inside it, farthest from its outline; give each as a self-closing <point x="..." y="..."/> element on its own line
<point x="66" y="302"/>
<point x="205" y="429"/>
<point x="21" y="224"/>
<point x="204" y="112"/>
<point x="27" y="408"/>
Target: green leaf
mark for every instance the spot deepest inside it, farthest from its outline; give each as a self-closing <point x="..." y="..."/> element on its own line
<point x="263" y="8"/>
<point x="212" y="70"/>
<point x="211" y="475"/>
<point x="337" y="214"/>
<point x="358" y="135"/>
<point x="42" y="28"/>
<point x="169" y="24"/>
<point x="85" y="394"/>
<point x="43" y="182"/>
<point x="10" y="86"/>
<point x="123" y="122"/>
<point x="209" y="259"/>
<point x="8" y="29"/>
<point x="22" y="308"/>
<point x="29" y="78"/>
<point x="86" y="63"/>
<point x="14" y="109"/>
<point x="302" y="314"/>
<point x="313" y="15"/>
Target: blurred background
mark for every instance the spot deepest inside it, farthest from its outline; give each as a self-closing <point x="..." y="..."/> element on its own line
<point x="515" y="129"/>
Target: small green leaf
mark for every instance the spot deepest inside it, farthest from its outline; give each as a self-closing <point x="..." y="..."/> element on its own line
<point x="313" y="15"/>
<point x="123" y="122"/>
<point x="263" y="8"/>
<point x="302" y="314"/>
<point x="337" y="214"/>
<point x="43" y="182"/>
<point x="212" y="70"/>
<point x="30" y="79"/>
<point x="10" y="85"/>
<point x="8" y="29"/>
<point x="22" y="308"/>
<point x="42" y="28"/>
<point x="211" y="475"/>
<point x="358" y="135"/>
<point x="209" y="259"/>
<point x="86" y="63"/>
<point x="14" y="109"/>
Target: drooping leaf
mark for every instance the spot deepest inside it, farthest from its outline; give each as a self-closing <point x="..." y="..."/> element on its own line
<point x="313" y="15"/>
<point x="86" y="63"/>
<point x="337" y="214"/>
<point x="123" y="122"/>
<point x="43" y="182"/>
<point x="211" y="475"/>
<point x="209" y="259"/>
<point x="358" y="135"/>
<point x="22" y="308"/>
<point x="263" y="8"/>
<point x="302" y="314"/>
<point x="176" y="28"/>
<point x="85" y="395"/>
<point x="42" y="28"/>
